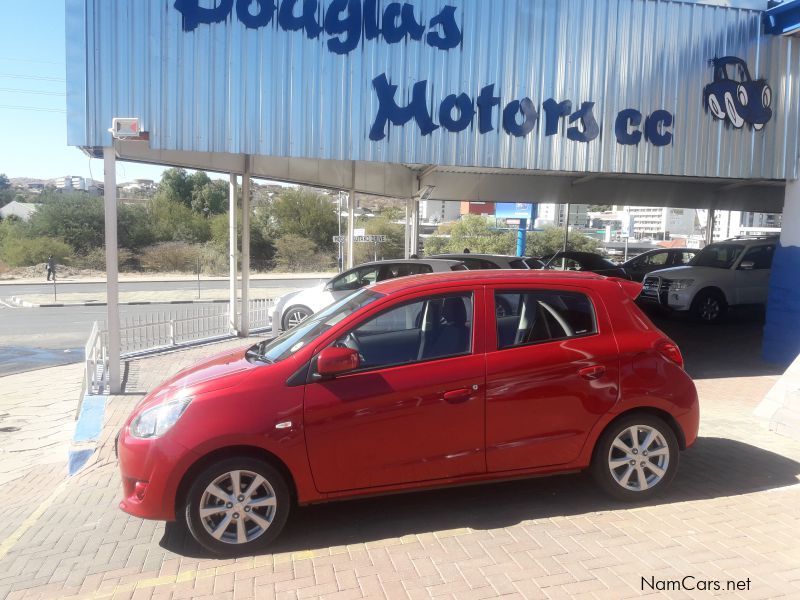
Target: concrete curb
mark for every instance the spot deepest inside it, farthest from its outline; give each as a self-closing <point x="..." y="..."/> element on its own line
<point x="21" y="303"/>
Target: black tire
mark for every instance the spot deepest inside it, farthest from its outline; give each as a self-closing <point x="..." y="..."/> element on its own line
<point x="709" y="306"/>
<point x="296" y="309"/>
<point x="601" y="468"/>
<point x="275" y="516"/>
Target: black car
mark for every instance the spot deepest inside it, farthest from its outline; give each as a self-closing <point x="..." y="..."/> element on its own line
<point x="652" y="260"/>
<point x="584" y="261"/>
<point x="478" y="262"/>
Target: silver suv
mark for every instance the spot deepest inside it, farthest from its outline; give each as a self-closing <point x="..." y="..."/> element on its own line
<point x="730" y="273"/>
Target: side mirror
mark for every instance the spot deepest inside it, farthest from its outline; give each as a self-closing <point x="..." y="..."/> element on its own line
<point x="334" y="361"/>
<point x="747" y="265"/>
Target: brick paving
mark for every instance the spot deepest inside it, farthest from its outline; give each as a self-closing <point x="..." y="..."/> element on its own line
<point x="730" y="514"/>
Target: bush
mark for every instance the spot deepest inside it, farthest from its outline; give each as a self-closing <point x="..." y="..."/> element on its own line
<point x="96" y="259"/>
<point x="23" y="252"/>
<point x="171" y="257"/>
<point x="295" y="253"/>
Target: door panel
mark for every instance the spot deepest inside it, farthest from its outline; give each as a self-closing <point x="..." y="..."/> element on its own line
<point x="406" y="423"/>
<point x="543" y="399"/>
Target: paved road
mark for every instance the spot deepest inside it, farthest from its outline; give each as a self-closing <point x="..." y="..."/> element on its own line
<point x="7" y="290"/>
<point x="38" y="337"/>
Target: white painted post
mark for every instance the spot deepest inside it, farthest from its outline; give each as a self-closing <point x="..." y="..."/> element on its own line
<point x="407" y="228"/>
<point x="414" y="242"/>
<point x="233" y="321"/>
<point x="351" y="221"/>
<point x="244" y="329"/>
<point x="112" y="268"/>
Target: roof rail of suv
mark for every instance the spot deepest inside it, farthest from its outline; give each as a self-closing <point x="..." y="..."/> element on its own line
<point x="772" y="236"/>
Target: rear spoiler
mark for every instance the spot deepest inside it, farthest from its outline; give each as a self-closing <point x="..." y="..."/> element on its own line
<point x="632" y="289"/>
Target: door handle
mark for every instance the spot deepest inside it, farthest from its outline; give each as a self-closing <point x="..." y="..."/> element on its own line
<point x="457" y="396"/>
<point x="592" y="373"/>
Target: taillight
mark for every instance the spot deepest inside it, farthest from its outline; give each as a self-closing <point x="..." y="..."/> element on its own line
<point x="671" y="351"/>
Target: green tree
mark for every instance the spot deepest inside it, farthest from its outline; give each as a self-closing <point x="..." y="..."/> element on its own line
<point x="4" y="182"/>
<point x="299" y="212"/>
<point x="175" y="222"/>
<point x="392" y="248"/>
<point x="211" y="197"/>
<point x="473" y="232"/>
<point x="175" y="186"/>
<point x="551" y="240"/>
<point x="78" y="219"/>
<point x="134" y="226"/>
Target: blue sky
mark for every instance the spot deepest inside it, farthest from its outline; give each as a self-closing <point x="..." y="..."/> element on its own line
<point x="33" y="119"/>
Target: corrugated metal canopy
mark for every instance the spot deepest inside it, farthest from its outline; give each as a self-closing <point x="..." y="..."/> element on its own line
<point x="232" y="88"/>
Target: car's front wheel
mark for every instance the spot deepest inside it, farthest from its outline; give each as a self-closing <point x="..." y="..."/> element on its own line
<point x="294" y="316"/>
<point x="636" y="457"/>
<point x="709" y="306"/>
<point x="237" y="506"/>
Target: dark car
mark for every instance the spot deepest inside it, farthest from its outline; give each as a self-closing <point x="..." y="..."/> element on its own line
<point x="652" y="260"/>
<point x="584" y="261"/>
<point x="734" y="96"/>
<point x="479" y="262"/>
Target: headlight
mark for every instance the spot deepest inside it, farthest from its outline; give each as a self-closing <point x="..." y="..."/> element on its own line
<point x="155" y="422"/>
<point x="680" y="284"/>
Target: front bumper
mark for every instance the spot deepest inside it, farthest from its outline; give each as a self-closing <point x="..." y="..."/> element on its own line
<point x="151" y="471"/>
<point x="656" y="290"/>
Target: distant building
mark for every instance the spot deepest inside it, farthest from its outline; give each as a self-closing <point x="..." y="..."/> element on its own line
<point x="477" y="208"/>
<point x="732" y="223"/>
<point x="73" y="183"/>
<point x="21" y="210"/>
<point x="660" y="222"/>
<point x="555" y="215"/>
<point x="439" y="211"/>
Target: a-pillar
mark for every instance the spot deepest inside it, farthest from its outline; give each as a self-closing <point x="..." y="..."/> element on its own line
<point x="112" y="269"/>
<point x="233" y="319"/>
<point x="782" y="331"/>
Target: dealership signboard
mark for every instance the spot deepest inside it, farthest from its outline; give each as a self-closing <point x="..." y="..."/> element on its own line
<point x="623" y="86"/>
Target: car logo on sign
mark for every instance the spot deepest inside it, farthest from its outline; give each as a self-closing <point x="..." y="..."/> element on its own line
<point x="736" y="98"/>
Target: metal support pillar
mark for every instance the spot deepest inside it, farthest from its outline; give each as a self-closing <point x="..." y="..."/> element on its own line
<point x="522" y="232"/>
<point x="414" y="242"/>
<point x="407" y="228"/>
<point x="710" y="226"/>
<point x="351" y="224"/>
<point x="233" y="319"/>
<point x="244" y="326"/>
<point x="112" y="269"/>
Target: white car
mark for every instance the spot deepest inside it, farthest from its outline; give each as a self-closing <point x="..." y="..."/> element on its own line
<point x="292" y="308"/>
<point x="730" y="273"/>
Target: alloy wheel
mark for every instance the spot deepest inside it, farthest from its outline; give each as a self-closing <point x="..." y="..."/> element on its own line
<point x="710" y="309"/>
<point x="238" y="507"/>
<point x="639" y="458"/>
<point x="295" y="316"/>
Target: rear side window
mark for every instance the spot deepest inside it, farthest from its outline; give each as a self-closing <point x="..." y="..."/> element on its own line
<point x="761" y="256"/>
<point x="532" y="317"/>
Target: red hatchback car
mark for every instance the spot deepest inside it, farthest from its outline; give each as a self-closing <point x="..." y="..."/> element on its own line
<point x="414" y="383"/>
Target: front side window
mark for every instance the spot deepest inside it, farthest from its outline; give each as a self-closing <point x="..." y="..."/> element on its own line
<point x="761" y="257"/>
<point x="532" y="317"/>
<point x="422" y="330"/>
<point x="657" y="259"/>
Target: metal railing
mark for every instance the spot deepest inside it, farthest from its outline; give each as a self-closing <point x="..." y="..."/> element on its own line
<point x="96" y="357"/>
<point x="162" y="330"/>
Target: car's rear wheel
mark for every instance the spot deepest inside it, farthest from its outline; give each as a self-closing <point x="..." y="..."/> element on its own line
<point x="295" y="315"/>
<point x="237" y="506"/>
<point x="636" y="457"/>
<point x="709" y="306"/>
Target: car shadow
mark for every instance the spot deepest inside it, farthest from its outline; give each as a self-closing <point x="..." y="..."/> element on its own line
<point x="712" y="468"/>
<point x="731" y="348"/>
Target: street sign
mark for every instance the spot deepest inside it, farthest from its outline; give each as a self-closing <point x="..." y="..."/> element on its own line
<point x="361" y="239"/>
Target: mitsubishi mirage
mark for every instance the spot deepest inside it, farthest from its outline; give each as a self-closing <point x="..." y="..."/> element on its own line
<point x="410" y="384"/>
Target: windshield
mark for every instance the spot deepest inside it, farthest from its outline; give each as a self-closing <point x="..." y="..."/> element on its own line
<point x="718" y="256"/>
<point x="293" y="340"/>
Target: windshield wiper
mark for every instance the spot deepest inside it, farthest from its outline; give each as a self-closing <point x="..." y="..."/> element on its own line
<point x="257" y="353"/>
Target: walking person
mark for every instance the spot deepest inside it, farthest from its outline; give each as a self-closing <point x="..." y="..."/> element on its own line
<point x="51" y="267"/>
